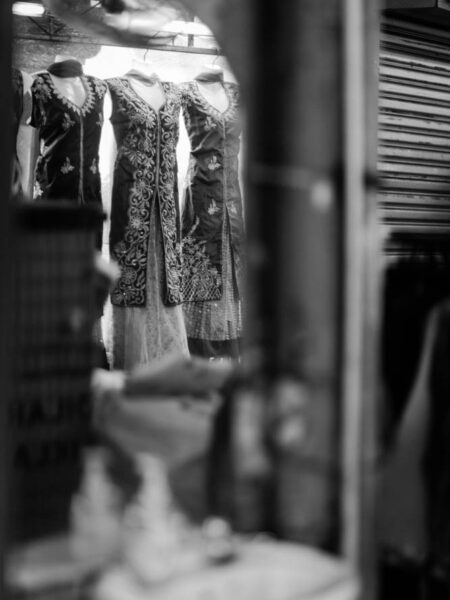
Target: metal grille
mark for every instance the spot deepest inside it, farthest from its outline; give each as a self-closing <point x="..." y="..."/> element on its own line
<point x="414" y="128"/>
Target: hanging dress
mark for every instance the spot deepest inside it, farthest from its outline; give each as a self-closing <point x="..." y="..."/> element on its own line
<point x="212" y="225"/>
<point x="147" y="320"/>
<point x="69" y="136"/>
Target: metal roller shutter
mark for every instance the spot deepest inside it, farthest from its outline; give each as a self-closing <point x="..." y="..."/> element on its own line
<point x="414" y="128"/>
<point x="414" y="195"/>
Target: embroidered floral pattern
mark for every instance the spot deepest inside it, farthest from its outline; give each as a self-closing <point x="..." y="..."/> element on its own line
<point x="233" y="99"/>
<point x="209" y="124"/>
<point x="95" y="88"/>
<point x="201" y="280"/>
<point x="128" y="276"/>
<point x="212" y="198"/>
<point x="99" y="86"/>
<point x="149" y="147"/>
<point x="94" y="166"/>
<point x="37" y="190"/>
<point x="67" y="122"/>
<point x="213" y="164"/>
<point x="67" y="166"/>
<point x="120" y="248"/>
<point x="42" y="90"/>
<point x="136" y="222"/>
<point x="232" y="208"/>
<point x="213" y="208"/>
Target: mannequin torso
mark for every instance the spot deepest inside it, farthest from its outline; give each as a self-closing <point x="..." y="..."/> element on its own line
<point x="146" y="84"/>
<point x="151" y="92"/>
<point x="210" y="85"/>
<point x="215" y="94"/>
<point x="72" y="88"/>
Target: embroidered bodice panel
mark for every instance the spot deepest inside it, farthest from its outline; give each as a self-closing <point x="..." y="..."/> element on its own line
<point x="212" y="192"/>
<point x="69" y="136"/>
<point x="145" y="171"/>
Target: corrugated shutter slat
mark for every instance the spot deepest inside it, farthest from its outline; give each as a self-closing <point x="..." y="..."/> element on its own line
<point x="414" y="128"/>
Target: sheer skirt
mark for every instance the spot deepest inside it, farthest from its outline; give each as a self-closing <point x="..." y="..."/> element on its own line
<point x="141" y="335"/>
<point x="214" y="327"/>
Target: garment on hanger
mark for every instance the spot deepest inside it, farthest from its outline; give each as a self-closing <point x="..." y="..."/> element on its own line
<point x="212" y="223"/>
<point x="69" y="135"/>
<point x="147" y="319"/>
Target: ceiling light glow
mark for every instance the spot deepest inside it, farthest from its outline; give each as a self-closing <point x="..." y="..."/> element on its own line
<point x="28" y="9"/>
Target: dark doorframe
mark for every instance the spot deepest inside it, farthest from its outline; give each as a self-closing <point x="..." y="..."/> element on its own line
<point x="6" y="259"/>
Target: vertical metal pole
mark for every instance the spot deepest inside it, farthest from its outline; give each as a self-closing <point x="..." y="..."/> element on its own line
<point x="372" y="303"/>
<point x="359" y="381"/>
<point x="354" y="187"/>
<point x="5" y="265"/>
<point x="295" y="242"/>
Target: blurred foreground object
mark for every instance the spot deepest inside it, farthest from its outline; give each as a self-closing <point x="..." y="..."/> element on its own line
<point x="105" y="274"/>
<point x="152" y="23"/>
<point x="263" y="570"/>
<point x="53" y="353"/>
<point x="127" y="22"/>
<point x="179" y="376"/>
<point x="165" y="409"/>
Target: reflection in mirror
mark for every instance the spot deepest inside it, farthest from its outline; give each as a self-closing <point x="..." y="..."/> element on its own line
<point x="151" y="135"/>
<point x="142" y="474"/>
<point x="153" y="87"/>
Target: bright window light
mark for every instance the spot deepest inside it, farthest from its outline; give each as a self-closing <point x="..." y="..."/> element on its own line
<point x="28" y="9"/>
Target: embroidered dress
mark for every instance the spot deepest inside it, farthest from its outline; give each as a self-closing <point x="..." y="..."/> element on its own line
<point x="69" y="136"/>
<point x="212" y="225"/>
<point x="147" y="320"/>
